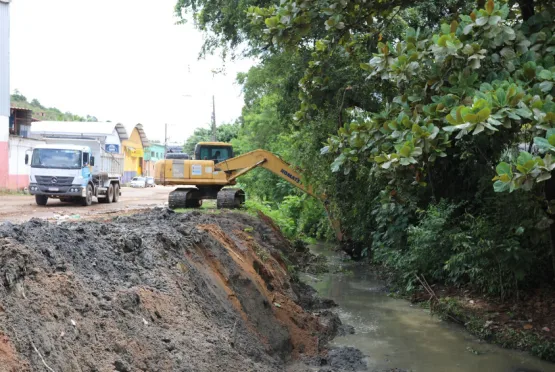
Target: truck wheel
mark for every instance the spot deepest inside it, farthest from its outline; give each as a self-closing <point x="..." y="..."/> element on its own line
<point x="116" y="193"/>
<point x="87" y="200"/>
<point x="41" y="199"/>
<point x="109" y="194"/>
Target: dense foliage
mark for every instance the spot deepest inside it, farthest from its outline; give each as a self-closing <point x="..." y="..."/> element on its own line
<point x="429" y="125"/>
<point x="46" y="113"/>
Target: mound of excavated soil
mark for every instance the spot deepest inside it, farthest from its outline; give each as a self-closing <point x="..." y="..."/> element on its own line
<point x="157" y="291"/>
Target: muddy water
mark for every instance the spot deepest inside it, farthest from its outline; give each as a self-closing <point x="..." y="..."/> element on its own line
<point x="394" y="334"/>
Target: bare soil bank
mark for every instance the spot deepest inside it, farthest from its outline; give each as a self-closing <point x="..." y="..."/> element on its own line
<point x="158" y="291"/>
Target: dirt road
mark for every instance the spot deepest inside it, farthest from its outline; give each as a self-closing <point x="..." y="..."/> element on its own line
<point x="19" y="208"/>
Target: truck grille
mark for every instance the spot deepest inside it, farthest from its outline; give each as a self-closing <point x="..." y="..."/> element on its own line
<point x="54" y="181"/>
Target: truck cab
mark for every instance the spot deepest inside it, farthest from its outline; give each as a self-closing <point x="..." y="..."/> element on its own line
<point x="65" y="172"/>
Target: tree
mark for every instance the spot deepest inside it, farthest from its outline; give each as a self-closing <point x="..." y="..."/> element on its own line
<point x="224" y="133"/>
<point x="44" y="113"/>
<point x="486" y="81"/>
<point x="224" y="22"/>
<point x="18" y="97"/>
<point x="401" y="112"/>
<point x="35" y="102"/>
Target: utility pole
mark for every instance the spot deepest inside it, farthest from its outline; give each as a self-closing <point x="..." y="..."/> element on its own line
<point x="165" y="150"/>
<point x="214" y="119"/>
<point x="165" y="140"/>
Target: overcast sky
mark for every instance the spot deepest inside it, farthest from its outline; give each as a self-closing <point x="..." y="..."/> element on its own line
<point x="120" y="60"/>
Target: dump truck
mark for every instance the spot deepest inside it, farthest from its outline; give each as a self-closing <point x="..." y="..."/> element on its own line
<point x="213" y="172"/>
<point x="74" y="172"/>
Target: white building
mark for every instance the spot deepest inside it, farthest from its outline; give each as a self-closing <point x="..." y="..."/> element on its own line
<point x="4" y="90"/>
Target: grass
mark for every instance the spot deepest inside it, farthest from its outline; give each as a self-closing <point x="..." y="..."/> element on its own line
<point x="261" y="252"/>
<point x="201" y="210"/>
<point x="12" y="192"/>
<point x="208" y="206"/>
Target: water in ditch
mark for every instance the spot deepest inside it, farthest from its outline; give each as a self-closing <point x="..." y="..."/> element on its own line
<point x="395" y="334"/>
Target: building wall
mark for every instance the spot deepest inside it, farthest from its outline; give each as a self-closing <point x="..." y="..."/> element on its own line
<point x="4" y="60"/>
<point x="133" y="156"/>
<point x="18" y="178"/>
<point x="114" y="139"/>
<point x="148" y="168"/>
<point x="153" y="153"/>
<point x="4" y="159"/>
<point x="4" y="92"/>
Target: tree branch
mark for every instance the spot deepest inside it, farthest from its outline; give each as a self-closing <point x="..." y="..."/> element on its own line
<point x="526" y="8"/>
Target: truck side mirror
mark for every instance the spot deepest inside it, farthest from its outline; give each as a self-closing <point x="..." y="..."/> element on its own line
<point x="92" y="161"/>
<point x="26" y="159"/>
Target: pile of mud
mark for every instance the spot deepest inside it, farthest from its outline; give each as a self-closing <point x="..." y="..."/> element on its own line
<point x="158" y="291"/>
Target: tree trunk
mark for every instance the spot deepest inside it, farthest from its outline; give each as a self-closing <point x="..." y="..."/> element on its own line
<point x="526" y="8"/>
<point x="549" y="196"/>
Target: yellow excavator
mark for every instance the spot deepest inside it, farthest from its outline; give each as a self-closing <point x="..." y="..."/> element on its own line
<point x="214" y="168"/>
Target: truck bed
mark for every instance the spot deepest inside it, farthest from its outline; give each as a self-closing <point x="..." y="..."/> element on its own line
<point x="111" y="164"/>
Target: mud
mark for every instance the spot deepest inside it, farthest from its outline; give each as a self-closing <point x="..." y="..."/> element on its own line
<point x="338" y="359"/>
<point x="157" y="291"/>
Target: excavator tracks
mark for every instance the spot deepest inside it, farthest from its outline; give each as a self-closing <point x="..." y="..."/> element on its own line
<point x="230" y="198"/>
<point x="183" y="198"/>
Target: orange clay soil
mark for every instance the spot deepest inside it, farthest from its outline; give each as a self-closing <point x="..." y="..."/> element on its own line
<point x="270" y="277"/>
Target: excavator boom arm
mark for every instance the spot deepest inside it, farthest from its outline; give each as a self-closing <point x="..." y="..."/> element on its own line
<point x="242" y="164"/>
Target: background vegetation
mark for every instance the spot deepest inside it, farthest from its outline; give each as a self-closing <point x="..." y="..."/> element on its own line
<point x="224" y="133"/>
<point x="46" y="113"/>
<point x="429" y="125"/>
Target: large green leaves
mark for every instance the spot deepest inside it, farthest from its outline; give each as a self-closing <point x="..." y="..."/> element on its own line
<point x="507" y="98"/>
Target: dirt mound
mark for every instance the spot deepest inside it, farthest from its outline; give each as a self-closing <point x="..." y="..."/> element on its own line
<point x="157" y="291"/>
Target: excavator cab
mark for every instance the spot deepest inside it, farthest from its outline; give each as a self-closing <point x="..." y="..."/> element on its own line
<point x="216" y="151"/>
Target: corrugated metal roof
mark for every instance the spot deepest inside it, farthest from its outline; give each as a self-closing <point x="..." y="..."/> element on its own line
<point x="144" y="138"/>
<point x="78" y="128"/>
<point x="20" y="108"/>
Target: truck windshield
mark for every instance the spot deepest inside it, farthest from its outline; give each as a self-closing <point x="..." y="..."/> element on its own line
<point x="56" y="158"/>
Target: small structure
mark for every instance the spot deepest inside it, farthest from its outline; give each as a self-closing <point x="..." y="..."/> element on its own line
<point x="4" y="90"/>
<point x="20" y="143"/>
<point x="133" y="150"/>
<point x="153" y="153"/>
<point x="20" y="121"/>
